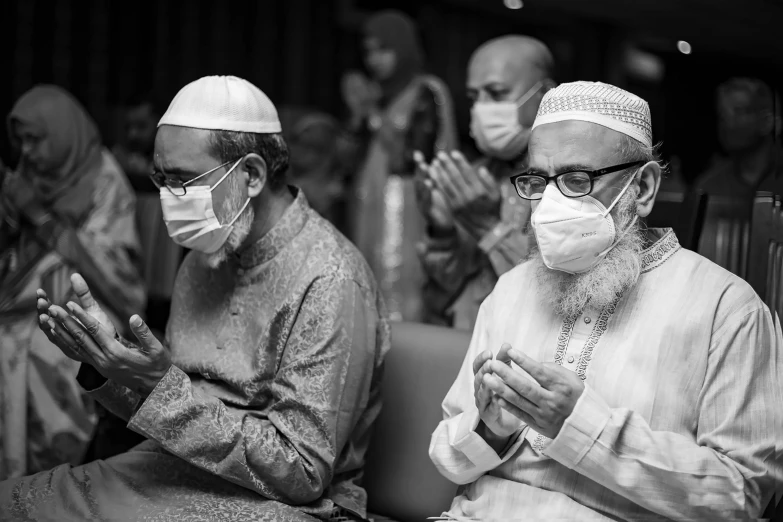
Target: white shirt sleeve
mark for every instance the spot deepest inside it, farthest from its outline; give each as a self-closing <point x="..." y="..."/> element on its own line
<point x="459" y="453"/>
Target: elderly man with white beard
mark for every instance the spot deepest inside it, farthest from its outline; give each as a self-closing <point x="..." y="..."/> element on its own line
<point x="614" y="375"/>
<point x="258" y="404"/>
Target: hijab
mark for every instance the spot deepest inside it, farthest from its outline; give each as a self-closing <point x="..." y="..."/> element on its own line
<point x="74" y="146"/>
<point x="397" y="32"/>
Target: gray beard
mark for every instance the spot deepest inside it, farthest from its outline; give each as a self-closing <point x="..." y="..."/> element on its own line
<point x="242" y="225"/>
<point x="569" y="294"/>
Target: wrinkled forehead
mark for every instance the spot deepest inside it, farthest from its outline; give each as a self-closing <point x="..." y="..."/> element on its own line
<point x="568" y="143"/>
<point x="181" y="148"/>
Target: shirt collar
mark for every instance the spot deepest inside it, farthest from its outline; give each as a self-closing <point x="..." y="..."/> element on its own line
<point x="284" y="231"/>
<point x="660" y="251"/>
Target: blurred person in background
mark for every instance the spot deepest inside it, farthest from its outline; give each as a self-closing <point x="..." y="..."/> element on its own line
<point x="396" y="112"/>
<point x="67" y="207"/>
<point x="321" y="159"/>
<point x="162" y="257"/>
<point x="476" y="223"/>
<point x="751" y="159"/>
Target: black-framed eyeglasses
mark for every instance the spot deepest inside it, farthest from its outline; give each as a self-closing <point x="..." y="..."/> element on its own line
<point x="572" y="184"/>
<point x="179" y="187"/>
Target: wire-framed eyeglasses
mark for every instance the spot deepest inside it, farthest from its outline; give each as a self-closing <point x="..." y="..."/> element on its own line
<point x="572" y="184"/>
<point x="177" y="186"/>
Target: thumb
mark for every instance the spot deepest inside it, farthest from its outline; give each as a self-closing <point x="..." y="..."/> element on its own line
<point x="143" y="333"/>
<point x="83" y="292"/>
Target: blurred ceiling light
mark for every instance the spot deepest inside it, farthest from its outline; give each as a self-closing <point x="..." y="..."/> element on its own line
<point x="513" y="4"/>
<point x="643" y="65"/>
<point x="684" y="47"/>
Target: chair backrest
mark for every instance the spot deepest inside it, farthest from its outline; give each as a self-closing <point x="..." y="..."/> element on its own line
<point x="762" y="246"/>
<point x="684" y="212"/>
<point x="401" y="481"/>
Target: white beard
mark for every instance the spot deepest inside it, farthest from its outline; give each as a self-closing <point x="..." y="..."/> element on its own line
<point x="242" y="225"/>
<point x="568" y="294"/>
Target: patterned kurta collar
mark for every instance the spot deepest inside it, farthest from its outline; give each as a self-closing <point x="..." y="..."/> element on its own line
<point x="660" y="251"/>
<point x="289" y="226"/>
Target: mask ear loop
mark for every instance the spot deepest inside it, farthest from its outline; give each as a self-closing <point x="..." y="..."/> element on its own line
<point x="633" y="221"/>
<point x="225" y="175"/>
<point x="247" y="202"/>
<point x="525" y="97"/>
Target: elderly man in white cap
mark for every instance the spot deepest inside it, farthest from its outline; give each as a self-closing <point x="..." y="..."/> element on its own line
<point x="614" y="375"/>
<point x="258" y="404"/>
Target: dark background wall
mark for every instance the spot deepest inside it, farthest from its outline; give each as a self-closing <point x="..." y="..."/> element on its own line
<point x="296" y="50"/>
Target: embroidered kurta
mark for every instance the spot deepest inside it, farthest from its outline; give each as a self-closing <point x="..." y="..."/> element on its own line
<point x="269" y="404"/>
<point x="681" y="414"/>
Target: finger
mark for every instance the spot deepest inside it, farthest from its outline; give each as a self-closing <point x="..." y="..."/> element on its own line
<point x="503" y="390"/>
<point x="86" y="344"/>
<point x="92" y="325"/>
<point x="42" y="305"/>
<point x="521" y="385"/>
<point x="518" y="413"/>
<point x="63" y="338"/>
<point x="147" y="341"/>
<point x="83" y="292"/>
<point x="465" y="171"/>
<point x="462" y="188"/>
<point x="60" y="338"/>
<point x="486" y="179"/>
<point x="479" y="361"/>
<point x="421" y="163"/>
<point x="441" y="179"/>
<point x="502" y="355"/>
<point x="543" y="375"/>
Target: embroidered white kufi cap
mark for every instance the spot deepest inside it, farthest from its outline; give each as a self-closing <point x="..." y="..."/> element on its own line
<point x="222" y="103"/>
<point x="598" y="103"/>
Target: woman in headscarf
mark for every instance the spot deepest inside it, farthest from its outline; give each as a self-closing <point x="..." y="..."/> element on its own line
<point x="67" y="208"/>
<point x="399" y="111"/>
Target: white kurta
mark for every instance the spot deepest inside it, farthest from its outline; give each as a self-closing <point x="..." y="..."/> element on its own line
<point x="681" y="417"/>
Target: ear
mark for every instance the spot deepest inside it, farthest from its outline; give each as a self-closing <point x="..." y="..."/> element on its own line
<point x="649" y="181"/>
<point x="255" y="167"/>
<point x="548" y="85"/>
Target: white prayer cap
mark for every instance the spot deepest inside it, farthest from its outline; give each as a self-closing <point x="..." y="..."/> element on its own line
<point x="222" y="103"/>
<point x="598" y="103"/>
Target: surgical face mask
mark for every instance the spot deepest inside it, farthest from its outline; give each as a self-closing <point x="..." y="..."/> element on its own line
<point x="575" y="234"/>
<point x="191" y="220"/>
<point x="495" y="127"/>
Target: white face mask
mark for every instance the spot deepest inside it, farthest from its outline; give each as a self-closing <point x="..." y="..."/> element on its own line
<point x="495" y="127"/>
<point x="574" y="234"/>
<point x="191" y="220"/>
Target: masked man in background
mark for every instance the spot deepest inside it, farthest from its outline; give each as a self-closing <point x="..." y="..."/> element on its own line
<point x="476" y="224"/>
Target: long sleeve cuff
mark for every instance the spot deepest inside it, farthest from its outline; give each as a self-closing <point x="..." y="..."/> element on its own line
<point x="466" y="440"/>
<point x="174" y="387"/>
<point x="580" y="430"/>
<point x="116" y="398"/>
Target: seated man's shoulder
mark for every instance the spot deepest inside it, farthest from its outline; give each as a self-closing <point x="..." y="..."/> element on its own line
<point x="330" y="253"/>
<point x="701" y="275"/>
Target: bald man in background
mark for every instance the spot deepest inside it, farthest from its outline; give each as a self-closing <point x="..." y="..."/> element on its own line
<point x="477" y="226"/>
